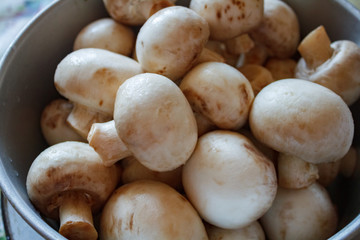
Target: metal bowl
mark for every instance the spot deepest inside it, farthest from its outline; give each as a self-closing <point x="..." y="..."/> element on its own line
<point x="26" y="86"/>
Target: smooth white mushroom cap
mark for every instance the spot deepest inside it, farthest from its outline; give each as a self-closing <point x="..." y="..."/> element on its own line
<point x="220" y="92"/>
<point x="228" y="19"/>
<point x="155" y="121"/>
<point x="170" y="41"/>
<point x="150" y="210"/>
<point x="303" y="119"/>
<point x="279" y="30"/>
<point x="306" y="213"/>
<point x="229" y="182"/>
<point x="65" y="167"/>
<point x="340" y="73"/>
<point x="106" y="34"/>
<point x="92" y="76"/>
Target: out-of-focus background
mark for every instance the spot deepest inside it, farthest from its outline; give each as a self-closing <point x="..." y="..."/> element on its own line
<point x="14" y="16"/>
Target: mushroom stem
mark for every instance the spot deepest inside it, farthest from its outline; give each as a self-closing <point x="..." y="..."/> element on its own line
<point x="81" y="118"/>
<point x="106" y="142"/>
<point x="76" y="221"/>
<point x="315" y="47"/>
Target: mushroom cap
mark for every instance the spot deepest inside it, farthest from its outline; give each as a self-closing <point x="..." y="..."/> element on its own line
<point x="65" y="167"/>
<point x="228" y="19"/>
<point x="106" y="34"/>
<point x="134" y="12"/>
<point x="299" y="214"/>
<point x="92" y="76"/>
<point x="219" y="92"/>
<point x="155" y="121"/>
<point x="150" y="210"/>
<point x="170" y="41"/>
<point x="228" y="181"/>
<point x="303" y="119"/>
<point x="279" y="30"/>
<point x="340" y="73"/>
<point x="53" y="123"/>
<point x="252" y="231"/>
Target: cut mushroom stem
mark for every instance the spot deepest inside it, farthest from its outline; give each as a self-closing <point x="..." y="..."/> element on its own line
<point x="240" y="44"/>
<point x="81" y="118"/>
<point x="106" y="142"/>
<point x="76" y="217"/>
<point x="295" y="173"/>
<point x="315" y="47"/>
<point x="208" y="55"/>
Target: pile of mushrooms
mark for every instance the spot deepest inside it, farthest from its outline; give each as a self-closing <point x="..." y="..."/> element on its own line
<point x="201" y="124"/>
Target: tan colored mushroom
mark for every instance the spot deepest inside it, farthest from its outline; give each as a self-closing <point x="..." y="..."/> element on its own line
<point x="54" y="126"/>
<point x="134" y="12"/>
<point x="252" y="231"/>
<point x="281" y="68"/>
<point x="89" y="78"/>
<point x="229" y="182"/>
<point x="220" y="48"/>
<point x="240" y="44"/>
<point x="328" y="172"/>
<point x="220" y="93"/>
<point x="133" y="170"/>
<point x="300" y="214"/>
<point x="349" y="163"/>
<point x="334" y="65"/>
<point x="256" y="55"/>
<point x="228" y="19"/>
<point x="150" y="210"/>
<point x="69" y="181"/>
<point x="279" y="30"/>
<point x="258" y="76"/>
<point x="171" y="41"/>
<point x="302" y="119"/>
<point x="295" y="173"/>
<point x="106" y="34"/>
<point x="151" y="118"/>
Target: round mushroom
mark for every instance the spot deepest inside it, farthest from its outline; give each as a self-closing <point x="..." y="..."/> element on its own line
<point x="228" y="19"/>
<point x="89" y="78"/>
<point x="220" y="93"/>
<point x="106" y="34"/>
<point x="54" y="126"/>
<point x="279" y="29"/>
<point x="299" y="214"/>
<point x="150" y="210"/>
<point x="252" y="231"/>
<point x="229" y="182"/>
<point x="302" y="119"/>
<point x="151" y="118"/>
<point x="69" y="181"/>
<point x="134" y="12"/>
<point x="170" y="41"/>
<point x="333" y="65"/>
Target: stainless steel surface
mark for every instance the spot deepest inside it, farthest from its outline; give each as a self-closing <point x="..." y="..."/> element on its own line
<point x="26" y="86"/>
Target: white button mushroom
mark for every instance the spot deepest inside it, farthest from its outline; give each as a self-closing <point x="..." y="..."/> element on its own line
<point x="90" y="78"/>
<point x="152" y="117"/>
<point x="69" y="181"/>
<point x="300" y="214"/>
<point x="170" y="41"/>
<point x="228" y="19"/>
<point x="150" y="210"/>
<point x="53" y="123"/>
<point x="334" y="65"/>
<point x="106" y="34"/>
<point x="253" y="231"/>
<point x="279" y="30"/>
<point x="303" y="119"/>
<point x="220" y="93"/>
<point x="134" y="12"/>
<point x="229" y="182"/>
